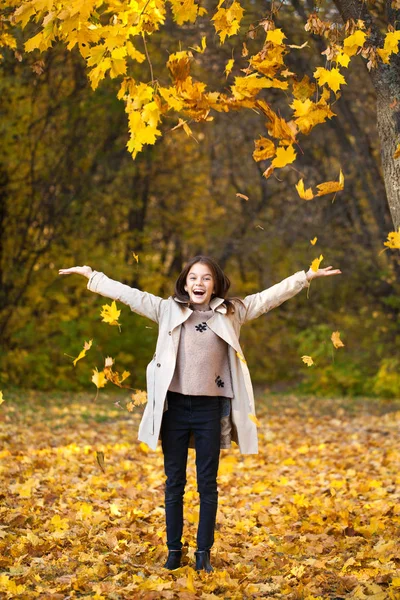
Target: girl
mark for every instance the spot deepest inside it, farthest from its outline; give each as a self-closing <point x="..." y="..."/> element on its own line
<point x="198" y="384"/>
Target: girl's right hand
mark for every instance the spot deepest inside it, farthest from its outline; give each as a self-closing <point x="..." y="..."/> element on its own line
<point x="85" y="271"/>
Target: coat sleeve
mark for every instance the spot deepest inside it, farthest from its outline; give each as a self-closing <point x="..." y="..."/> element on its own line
<point x="142" y="303"/>
<point x="262" y="302"/>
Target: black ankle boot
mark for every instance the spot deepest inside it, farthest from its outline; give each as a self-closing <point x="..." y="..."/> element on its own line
<point x="203" y="561"/>
<point x="173" y="560"/>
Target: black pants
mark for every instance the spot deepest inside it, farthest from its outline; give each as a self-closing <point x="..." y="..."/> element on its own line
<point x="202" y="416"/>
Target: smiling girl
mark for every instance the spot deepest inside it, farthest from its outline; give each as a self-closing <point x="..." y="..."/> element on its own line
<point x="198" y="385"/>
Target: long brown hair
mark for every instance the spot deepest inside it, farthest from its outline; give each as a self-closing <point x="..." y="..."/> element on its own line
<point x="221" y="282"/>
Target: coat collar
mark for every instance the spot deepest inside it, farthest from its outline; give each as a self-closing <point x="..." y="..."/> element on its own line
<point x="216" y="304"/>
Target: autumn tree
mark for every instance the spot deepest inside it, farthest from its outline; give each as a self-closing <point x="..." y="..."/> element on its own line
<point x="108" y="36"/>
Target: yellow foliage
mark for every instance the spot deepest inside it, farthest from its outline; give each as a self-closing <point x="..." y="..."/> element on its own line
<point x="330" y="187"/>
<point x="307" y="360"/>
<point x="86" y="347"/>
<point x="305" y="194"/>
<point x="265" y="148"/>
<point x="316" y="262"/>
<point x="336" y="341"/>
<point x="333" y="78"/>
<point x="110" y="313"/>
<point x="276" y="36"/>
<point x="227" y="20"/>
<point x="353" y="42"/>
<point x="284" y="156"/>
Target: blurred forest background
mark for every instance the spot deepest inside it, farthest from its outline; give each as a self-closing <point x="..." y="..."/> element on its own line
<point x="70" y="194"/>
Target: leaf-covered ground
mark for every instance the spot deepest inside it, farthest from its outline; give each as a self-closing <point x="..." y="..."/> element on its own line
<point x="315" y="515"/>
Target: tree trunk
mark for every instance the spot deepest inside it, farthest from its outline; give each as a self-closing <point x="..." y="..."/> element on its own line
<point x="386" y="81"/>
<point x="387" y="85"/>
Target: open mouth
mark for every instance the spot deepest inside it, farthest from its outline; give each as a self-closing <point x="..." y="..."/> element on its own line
<point x="199" y="294"/>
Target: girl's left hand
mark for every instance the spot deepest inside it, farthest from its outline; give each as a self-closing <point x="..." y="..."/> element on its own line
<point x="322" y="273"/>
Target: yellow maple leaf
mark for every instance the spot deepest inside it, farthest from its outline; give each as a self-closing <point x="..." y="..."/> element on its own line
<point x="304" y="194"/>
<point x="333" y="78"/>
<point x="303" y="89"/>
<point x="330" y="187"/>
<point x="353" y="42"/>
<point x="185" y="10"/>
<point x="316" y="262"/>
<point x="336" y="341"/>
<point x="307" y="360"/>
<point x="227" y="20"/>
<point x="114" y="510"/>
<point x="390" y="47"/>
<point x="139" y="397"/>
<point x="254" y="419"/>
<point x="284" y="156"/>
<point x="308" y="114"/>
<point x="397" y="152"/>
<point x="110" y="313"/>
<point x="99" y="378"/>
<point x="342" y="59"/>
<point x="265" y="148"/>
<point x="393" y="240"/>
<point x="202" y="47"/>
<point x="59" y="524"/>
<point x="276" y="36"/>
<point x="1" y="398"/>
<point x="313" y="241"/>
<point x="86" y="347"/>
<point x="229" y="66"/>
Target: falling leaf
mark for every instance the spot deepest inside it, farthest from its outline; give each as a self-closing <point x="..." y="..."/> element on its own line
<point x="313" y="241"/>
<point x="284" y="156"/>
<point x="298" y="47"/>
<point x="333" y="78"/>
<point x="135" y="256"/>
<point x="254" y="419"/>
<point x="100" y="460"/>
<point x="397" y="152"/>
<point x="86" y="347"/>
<point x="229" y="66"/>
<point x="202" y="46"/>
<point x="139" y="397"/>
<point x="110" y="314"/>
<point x="336" y="341"/>
<point x="108" y="362"/>
<point x="265" y="148"/>
<point x="1" y="398"/>
<point x="307" y="360"/>
<point x="242" y="196"/>
<point x="316" y="262"/>
<point x="99" y="378"/>
<point x="330" y="187"/>
<point x="304" y="194"/>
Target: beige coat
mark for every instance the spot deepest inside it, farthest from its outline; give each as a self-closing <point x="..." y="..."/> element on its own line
<point x="170" y="314"/>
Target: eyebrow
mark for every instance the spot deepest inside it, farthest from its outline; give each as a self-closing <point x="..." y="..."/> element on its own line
<point x="204" y="275"/>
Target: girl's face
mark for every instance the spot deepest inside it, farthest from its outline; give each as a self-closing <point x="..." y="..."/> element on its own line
<point x="200" y="285"/>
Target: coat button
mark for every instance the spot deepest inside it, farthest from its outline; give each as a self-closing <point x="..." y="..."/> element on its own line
<point x="169" y="332"/>
<point x="158" y="365"/>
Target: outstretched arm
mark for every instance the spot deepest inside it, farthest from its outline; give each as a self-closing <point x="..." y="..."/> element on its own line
<point x="262" y="302"/>
<point x="142" y="303"/>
